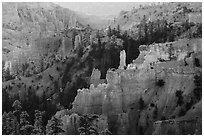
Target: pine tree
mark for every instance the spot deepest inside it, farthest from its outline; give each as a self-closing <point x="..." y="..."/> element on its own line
<point x="4" y="123"/>
<point x="150" y="32"/>
<point x="3" y="70"/>
<point x="106" y="132"/>
<point x="25" y="127"/>
<point x="145" y="28"/>
<point x="38" y="128"/>
<point x="140" y="31"/>
<point x="10" y="124"/>
<point x="98" y="38"/>
<point x="165" y="30"/>
<point x="17" y="105"/>
<point x="141" y="103"/>
<point x="180" y="97"/>
<point x="17" y="109"/>
<point x="109" y="33"/>
<point x="86" y="126"/>
<point x="118" y="30"/>
<point x="23" y="118"/>
<point x="54" y="126"/>
<point x="6" y="101"/>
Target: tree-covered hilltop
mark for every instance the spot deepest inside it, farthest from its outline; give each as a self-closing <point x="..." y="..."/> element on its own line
<point x="170" y="11"/>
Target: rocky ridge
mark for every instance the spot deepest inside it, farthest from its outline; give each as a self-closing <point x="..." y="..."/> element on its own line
<point x="172" y="12"/>
<point x="32" y="31"/>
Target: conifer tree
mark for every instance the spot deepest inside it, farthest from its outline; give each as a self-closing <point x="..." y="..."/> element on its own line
<point x="118" y="30"/>
<point x="17" y="109"/>
<point x="54" y="126"/>
<point x="25" y="127"/>
<point x="109" y="33"/>
<point x="145" y="28"/>
<point x="10" y="124"/>
<point x="38" y="127"/>
<point x="86" y="126"/>
<point x="4" y="124"/>
<point x="17" y="105"/>
<point x="105" y="132"/>
<point x="140" y="31"/>
<point x="141" y="103"/>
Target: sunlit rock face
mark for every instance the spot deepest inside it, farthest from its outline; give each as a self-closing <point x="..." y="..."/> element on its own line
<point x="113" y="97"/>
<point x="70" y="122"/>
<point x="123" y="124"/>
<point x="101" y="123"/>
<point x="120" y="98"/>
<point x="95" y="78"/>
<point x="35" y="31"/>
<point x="122" y="59"/>
<point x="113" y="78"/>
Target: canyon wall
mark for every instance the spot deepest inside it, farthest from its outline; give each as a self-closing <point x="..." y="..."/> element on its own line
<point x="120" y="98"/>
<point x="32" y="32"/>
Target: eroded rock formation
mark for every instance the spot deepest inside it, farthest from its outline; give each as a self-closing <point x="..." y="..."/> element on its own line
<point x="120" y="99"/>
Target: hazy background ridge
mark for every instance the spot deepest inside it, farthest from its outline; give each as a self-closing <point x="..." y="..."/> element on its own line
<point x="102" y="9"/>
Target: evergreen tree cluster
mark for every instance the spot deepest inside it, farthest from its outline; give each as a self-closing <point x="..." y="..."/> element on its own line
<point x="25" y="119"/>
<point x="17" y="122"/>
<point x="88" y="128"/>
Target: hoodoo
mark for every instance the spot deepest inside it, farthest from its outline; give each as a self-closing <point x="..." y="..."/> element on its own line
<point x="71" y="73"/>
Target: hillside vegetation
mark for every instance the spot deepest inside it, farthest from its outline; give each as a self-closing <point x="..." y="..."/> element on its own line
<point x="49" y="54"/>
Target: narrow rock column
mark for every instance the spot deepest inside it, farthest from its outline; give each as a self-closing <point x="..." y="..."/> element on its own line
<point x="122" y="59"/>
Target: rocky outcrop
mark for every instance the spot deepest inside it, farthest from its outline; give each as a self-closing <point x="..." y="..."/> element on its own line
<point x="122" y="59"/>
<point x="120" y="99"/>
<point x="70" y="122"/>
<point x="96" y="78"/>
<point x="29" y="30"/>
<point x="129" y="102"/>
<point x="34" y="32"/>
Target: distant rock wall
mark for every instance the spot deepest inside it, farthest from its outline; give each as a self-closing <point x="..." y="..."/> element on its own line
<point x="36" y="28"/>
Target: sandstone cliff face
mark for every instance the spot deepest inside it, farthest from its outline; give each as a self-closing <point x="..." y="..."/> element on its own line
<point x="32" y="31"/>
<point x="28" y="31"/>
<point x="191" y="123"/>
<point x="119" y="99"/>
